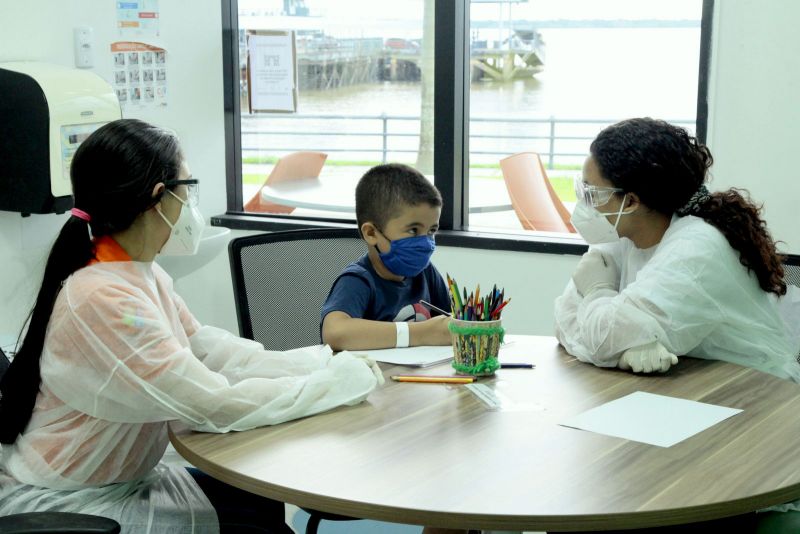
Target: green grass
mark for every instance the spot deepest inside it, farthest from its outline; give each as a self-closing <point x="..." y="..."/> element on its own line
<point x="564" y="188"/>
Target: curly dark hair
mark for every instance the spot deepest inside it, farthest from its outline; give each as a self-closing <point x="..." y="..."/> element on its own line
<point x="666" y="167"/>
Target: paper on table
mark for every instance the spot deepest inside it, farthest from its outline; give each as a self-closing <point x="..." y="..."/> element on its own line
<point x="653" y="419"/>
<point x="423" y="356"/>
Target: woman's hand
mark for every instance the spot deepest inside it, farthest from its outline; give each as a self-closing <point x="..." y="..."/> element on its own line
<point x="595" y="271"/>
<point x="650" y="358"/>
<point x="373" y="365"/>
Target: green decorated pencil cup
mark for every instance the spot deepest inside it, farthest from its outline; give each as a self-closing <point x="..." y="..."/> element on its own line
<point x="476" y="345"/>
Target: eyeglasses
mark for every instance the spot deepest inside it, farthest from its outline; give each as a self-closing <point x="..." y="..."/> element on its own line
<point x="594" y="195"/>
<point x="192" y="191"/>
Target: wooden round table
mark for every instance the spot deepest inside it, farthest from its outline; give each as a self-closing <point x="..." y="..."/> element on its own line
<point x="436" y="455"/>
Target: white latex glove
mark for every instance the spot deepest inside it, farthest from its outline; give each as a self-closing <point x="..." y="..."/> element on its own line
<point x="372" y="364"/>
<point x="650" y="358"/>
<point x="595" y="271"/>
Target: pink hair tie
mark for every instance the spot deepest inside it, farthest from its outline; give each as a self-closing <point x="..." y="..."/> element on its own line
<point x="81" y="214"/>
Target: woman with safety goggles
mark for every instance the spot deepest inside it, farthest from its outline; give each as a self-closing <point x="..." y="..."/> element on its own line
<point x="672" y="269"/>
<point x="112" y="354"/>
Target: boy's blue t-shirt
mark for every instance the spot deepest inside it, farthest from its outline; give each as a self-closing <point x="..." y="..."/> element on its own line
<point x="362" y="294"/>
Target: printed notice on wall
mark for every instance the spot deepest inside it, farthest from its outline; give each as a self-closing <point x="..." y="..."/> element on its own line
<point x="272" y="72"/>
<point x="137" y="17"/>
<point x="139" y="75"/>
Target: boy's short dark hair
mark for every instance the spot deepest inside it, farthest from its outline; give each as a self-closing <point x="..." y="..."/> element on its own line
<point x="385" y="189"/>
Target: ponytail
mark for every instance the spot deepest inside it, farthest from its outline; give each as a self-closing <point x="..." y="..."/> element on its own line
<point x="19" y="386"/>
<point x="739" y="220"/>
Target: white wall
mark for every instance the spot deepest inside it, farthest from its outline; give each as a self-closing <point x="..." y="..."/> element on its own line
<point x="41" y="30"/>
<point x="754" y="123"/>
<point x="753" y="116"/>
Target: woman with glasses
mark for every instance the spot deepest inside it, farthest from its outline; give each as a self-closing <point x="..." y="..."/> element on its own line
<point x="673" y="269"/>
<point x="111" y="354"/>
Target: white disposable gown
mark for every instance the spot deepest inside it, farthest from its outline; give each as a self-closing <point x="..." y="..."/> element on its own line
<point x="689" y="292"/>
<point x="122" y="357"/>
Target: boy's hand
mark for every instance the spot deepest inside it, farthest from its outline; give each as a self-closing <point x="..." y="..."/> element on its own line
<point x="432" y="332"/>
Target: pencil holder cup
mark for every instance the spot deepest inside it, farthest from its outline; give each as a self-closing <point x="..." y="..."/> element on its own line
<point x="476" y="345"/>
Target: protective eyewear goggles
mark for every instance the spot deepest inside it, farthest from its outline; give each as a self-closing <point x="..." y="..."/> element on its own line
<point x="191" y="188"/>
<point x="593" y="195"/>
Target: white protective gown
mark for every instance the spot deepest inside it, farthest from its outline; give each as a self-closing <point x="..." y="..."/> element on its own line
<point x="689" y="292"/>
<point x="122" y="357"/>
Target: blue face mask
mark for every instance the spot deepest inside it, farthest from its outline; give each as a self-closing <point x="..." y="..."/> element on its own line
<point x="409" y="256"/>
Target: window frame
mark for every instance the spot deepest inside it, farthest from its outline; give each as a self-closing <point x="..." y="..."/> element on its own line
<point x="451" y="137"/>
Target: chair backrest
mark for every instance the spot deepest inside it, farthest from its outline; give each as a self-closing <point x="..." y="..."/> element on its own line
<point x="281" y="280"/>
<point x="791" y="270"/>
<point x="297" y="165"/>
<point x="532" y="196"/>
<point x="791" y="275"/>
<point x="290" y="167"/>
<point x="4" y="363"/>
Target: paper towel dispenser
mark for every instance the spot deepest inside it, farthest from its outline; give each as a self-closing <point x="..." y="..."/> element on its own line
<point x="46" y="111"/>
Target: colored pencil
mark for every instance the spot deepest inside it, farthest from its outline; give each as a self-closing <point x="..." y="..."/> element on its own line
<point x="434" y="379"/>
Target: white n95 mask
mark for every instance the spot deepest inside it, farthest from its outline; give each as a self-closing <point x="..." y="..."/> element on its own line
<point x="184" y="239"/>
<point x="593" y="225"/>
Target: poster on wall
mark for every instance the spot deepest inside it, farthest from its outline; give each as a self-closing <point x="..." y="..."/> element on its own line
<point x="272" y="71"/>
<point x="137" y="17"/>
<point x="140" y="74"/>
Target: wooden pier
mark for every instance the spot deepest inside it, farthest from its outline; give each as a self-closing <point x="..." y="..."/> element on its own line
<point x="329" y="64"/>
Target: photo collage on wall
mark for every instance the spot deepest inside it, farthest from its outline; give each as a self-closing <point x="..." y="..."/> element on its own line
<point x="140" y="74"/>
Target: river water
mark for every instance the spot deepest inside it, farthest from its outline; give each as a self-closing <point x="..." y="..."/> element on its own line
<point x="589" y="74"/>
<point x="602" y="73"/>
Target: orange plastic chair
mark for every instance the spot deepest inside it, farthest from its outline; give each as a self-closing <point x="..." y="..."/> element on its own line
<point x="290" y="167"/>
<point x="532" y="196"/>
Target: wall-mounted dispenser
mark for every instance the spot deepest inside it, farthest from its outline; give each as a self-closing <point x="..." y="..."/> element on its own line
<point x="46" y="111"/>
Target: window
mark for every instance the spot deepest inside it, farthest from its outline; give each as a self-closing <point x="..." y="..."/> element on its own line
<point x="364" y="97"/>
<point x="547" y="76"/>
<point x="502" y="77"/>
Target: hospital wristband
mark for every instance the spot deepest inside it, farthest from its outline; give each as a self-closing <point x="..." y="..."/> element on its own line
<point x="402" y="334"/>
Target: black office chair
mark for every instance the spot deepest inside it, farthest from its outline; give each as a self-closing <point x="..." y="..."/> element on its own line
<point x="280" y="281"/>
<point x="791" y="269"/>
<point x="53" y="522"/>
<point x="791" y="274"/>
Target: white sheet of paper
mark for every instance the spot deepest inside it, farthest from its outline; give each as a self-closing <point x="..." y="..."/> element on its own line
<point x="649" y="418"/>
<point x="423" y="356"/>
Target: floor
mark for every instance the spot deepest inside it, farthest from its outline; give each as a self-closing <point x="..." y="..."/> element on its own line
<point x="299" y="518"/>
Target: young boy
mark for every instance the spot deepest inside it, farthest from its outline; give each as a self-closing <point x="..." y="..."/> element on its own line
<point x="375" y="302"/>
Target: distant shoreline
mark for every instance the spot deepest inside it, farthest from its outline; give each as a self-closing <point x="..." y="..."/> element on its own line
<point x="590" y="23"/>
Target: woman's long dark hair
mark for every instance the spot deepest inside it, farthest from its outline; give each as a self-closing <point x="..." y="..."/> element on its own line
<point x="666" y="167"/>
<point x="113" y="173"/>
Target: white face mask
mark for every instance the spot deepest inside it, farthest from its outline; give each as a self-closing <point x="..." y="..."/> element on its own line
<point x="594" y="226"/>
<point x="184" y="239"/>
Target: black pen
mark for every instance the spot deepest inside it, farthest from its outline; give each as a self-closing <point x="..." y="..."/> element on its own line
<point x="517" y="366"/>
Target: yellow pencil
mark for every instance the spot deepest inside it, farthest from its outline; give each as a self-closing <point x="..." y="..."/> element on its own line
<point x="434" y="379"/>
